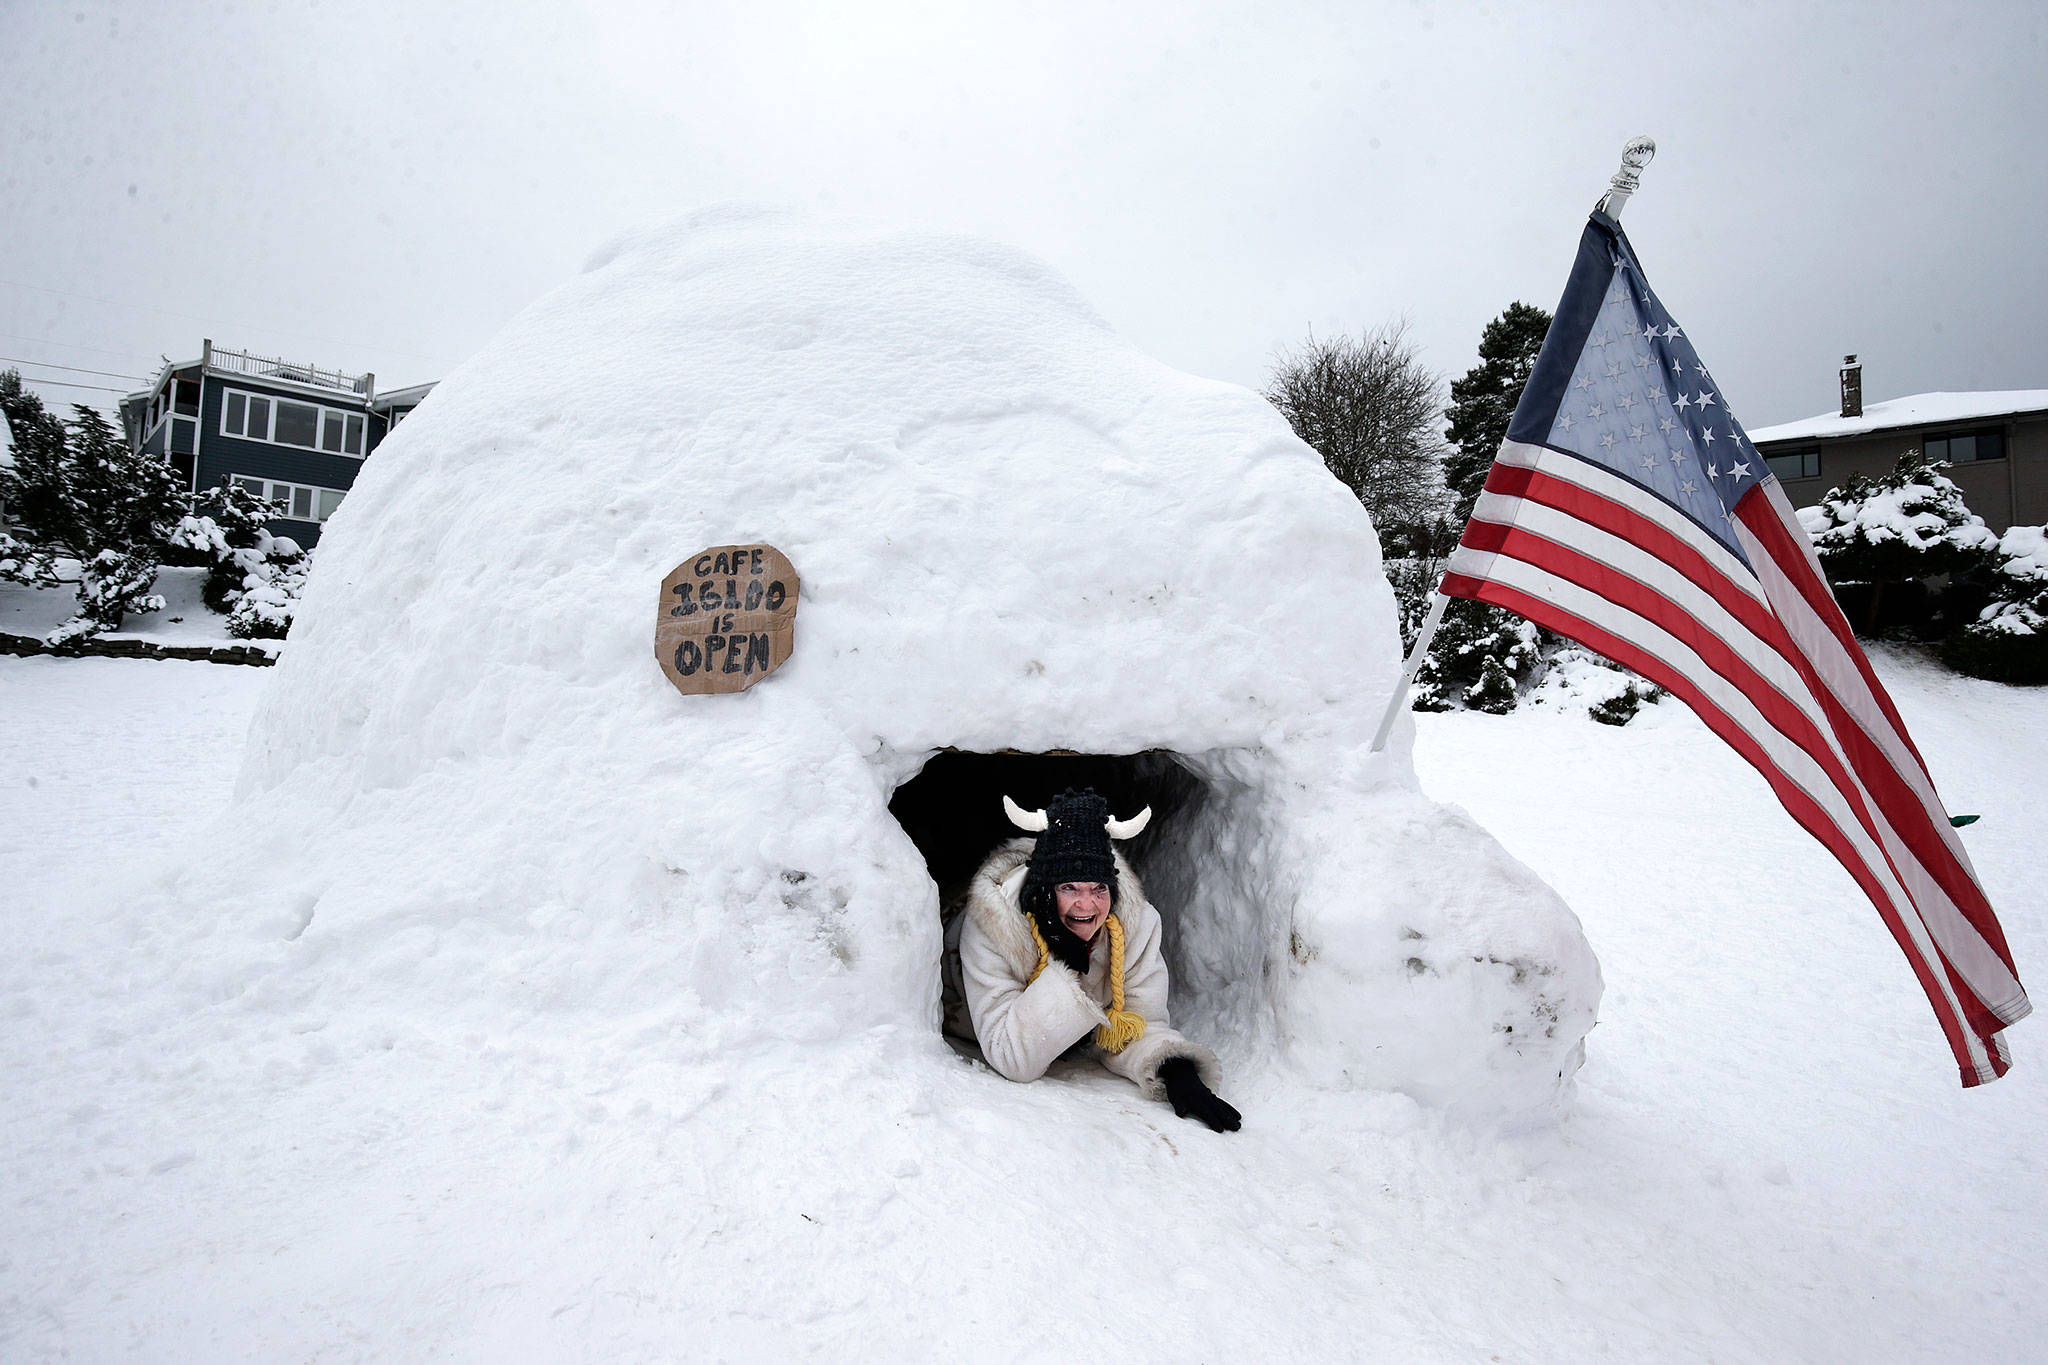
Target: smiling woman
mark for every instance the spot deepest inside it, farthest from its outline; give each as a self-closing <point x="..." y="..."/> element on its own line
<point x="1031" y="973"/>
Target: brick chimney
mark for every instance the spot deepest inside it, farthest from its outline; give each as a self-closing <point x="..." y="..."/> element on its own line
<point x="1852" y="387"/>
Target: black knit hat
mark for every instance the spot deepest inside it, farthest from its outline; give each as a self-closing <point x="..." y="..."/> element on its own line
<point x="1075" y="844"/>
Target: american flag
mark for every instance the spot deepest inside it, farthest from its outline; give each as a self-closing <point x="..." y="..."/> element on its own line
<point x="1628" y="511"/>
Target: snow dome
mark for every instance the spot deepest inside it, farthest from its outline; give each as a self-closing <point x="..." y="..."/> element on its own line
<point x="1031" y="557"/>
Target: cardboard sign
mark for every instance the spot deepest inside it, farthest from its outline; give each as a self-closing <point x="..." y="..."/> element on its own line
<point x="727" y="618"/>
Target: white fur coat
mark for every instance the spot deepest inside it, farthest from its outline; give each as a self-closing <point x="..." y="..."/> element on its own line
<point x="1021" y="1028"/>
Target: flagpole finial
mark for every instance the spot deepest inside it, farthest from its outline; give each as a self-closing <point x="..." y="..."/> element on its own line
<point x="1634" y="157"/>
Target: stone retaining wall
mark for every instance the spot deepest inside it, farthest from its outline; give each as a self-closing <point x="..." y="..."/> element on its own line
<point x="119" y="648"/>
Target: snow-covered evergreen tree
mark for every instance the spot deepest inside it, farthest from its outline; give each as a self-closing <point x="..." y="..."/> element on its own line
<point x="35" y="488"/>
<point x="83" y="492"/>
<point x="1484" y="400"/>
<point x="127" y="501"/>
<point x="1482" y="657"/>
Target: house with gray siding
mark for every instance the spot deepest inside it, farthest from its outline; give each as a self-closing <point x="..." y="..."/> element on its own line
<point x="1995" y="442"/>
<point x="295" y="434"/>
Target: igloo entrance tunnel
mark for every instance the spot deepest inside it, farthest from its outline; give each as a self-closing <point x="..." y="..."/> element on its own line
<point x="1031" y="557"/>
<point x="952" y="810"/>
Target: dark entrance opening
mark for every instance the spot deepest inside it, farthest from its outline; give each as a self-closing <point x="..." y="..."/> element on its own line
<point x="953" y="809"/>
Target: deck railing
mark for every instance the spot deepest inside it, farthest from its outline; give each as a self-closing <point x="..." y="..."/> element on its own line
<point x="267" y="367"/>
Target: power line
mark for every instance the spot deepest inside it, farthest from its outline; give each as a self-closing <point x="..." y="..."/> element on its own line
<point x="195" y="317"/>
<point x="74" y="346"/>
<point x="67" y="384"/>
<point x="75" y="369"/>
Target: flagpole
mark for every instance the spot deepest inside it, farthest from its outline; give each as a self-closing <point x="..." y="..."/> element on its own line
<point x="1415" y="657"/>
<point x="1635" y="155"/>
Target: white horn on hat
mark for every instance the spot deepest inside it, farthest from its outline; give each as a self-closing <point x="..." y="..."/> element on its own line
<point x="1030" y="821"/>
<point x="1124" y="829"/>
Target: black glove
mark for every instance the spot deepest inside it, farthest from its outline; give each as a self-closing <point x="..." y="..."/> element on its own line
<point x="1063" y="943"/>
<point x="1193" y="1100"/>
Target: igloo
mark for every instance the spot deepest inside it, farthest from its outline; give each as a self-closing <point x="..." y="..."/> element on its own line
<point x="1031" y="557"/>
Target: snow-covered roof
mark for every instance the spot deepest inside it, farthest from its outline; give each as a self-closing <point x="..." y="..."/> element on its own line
<point x="403" y="398"/>
<point x="1919" y="410"/>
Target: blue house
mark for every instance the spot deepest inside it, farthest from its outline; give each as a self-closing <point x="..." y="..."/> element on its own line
<point x="294" y="434"/>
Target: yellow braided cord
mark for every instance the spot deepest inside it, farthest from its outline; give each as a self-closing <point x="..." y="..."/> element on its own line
<point x="1124" y="1027"/>
<point x="1044" y="957"/>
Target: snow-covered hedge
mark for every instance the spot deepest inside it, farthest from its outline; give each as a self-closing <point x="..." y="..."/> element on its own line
<point x="257" y="577"/>
<point x="2008" y="642"/>
<point x="1880" y="539"/>
<point x="274" y="577"/>
<point x="1910" y="523"/>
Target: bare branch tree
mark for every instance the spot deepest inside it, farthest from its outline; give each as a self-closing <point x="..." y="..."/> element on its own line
<point x="1369" y="407"/>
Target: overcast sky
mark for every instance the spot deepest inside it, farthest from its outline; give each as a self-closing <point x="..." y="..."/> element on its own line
<point x="379" y="187"/>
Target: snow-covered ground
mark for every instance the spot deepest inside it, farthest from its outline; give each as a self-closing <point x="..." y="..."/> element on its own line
<point x="185" y="619"/>
<point x="1769" y="1157"/>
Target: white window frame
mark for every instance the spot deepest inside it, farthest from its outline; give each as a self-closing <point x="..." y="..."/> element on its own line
<point x="163" y="406"/>
<point x="319" y="423"/>
<point x="270" y="493"/>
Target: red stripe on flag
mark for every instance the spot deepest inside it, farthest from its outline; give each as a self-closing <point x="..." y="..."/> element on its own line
<point x="1721" y="657"/>
<point x="1756" y="513"/>
<point x="1910" y="819"/>
<point x="1802" y="808"/>
<point x="1727" y="661"/>
<point x="1903" y="809"/>
<point x="1521" y="481"/>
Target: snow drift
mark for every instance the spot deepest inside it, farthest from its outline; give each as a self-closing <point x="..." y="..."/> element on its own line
<point x="1030" y="555"/>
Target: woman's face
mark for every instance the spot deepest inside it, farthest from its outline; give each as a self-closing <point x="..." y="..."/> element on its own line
<point x="1083" y="906"/>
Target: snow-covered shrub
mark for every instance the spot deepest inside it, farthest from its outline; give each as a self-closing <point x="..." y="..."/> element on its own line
<point x="275" y="576"/>
<point x="223" y="528"/>
<point x="1481" y="660"/>
<point x="111" y="584"/>
<point x="21" y="562"/>
<point x="2008" y="642"/>
<point x="1580" y="682"/>
<point x="256" y="577"/>
<point x="1903" y="527"/>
